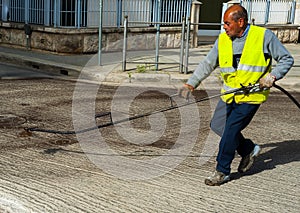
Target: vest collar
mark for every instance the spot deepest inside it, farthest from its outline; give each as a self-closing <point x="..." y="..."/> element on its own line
<point x="246" y="31"/>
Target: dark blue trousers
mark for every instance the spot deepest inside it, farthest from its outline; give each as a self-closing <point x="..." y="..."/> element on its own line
<point x="228" y="122"/>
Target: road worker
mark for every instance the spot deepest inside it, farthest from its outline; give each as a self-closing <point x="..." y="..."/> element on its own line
<point x="244" y="54"/>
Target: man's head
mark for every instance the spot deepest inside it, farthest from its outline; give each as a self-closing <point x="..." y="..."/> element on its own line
<point x="235" y="21"/>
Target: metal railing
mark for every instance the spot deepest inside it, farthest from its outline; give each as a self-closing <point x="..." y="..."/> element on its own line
<point x="184" y="47"/>
<point x="85" y="13"/>
<point x="270" y="11"/>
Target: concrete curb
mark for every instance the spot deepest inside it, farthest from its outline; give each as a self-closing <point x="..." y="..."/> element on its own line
<point x="45" y="65"/>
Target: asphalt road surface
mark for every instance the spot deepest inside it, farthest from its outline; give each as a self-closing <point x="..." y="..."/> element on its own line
<point x="156" y="164"/>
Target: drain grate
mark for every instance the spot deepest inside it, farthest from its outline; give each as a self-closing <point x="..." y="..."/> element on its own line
<point x="10" y="121"/>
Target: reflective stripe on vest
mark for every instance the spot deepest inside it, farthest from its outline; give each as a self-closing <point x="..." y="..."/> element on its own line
<point x="251" y="67"/>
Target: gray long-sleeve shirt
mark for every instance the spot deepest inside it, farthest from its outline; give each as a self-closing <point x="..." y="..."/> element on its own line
<point x="272" y="48"/>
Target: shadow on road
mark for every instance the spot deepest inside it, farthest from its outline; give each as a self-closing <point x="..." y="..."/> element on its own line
<point x="278" y="153"/>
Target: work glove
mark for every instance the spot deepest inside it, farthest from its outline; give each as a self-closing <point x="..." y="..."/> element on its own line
<point x="185" y="91"/>
<point x="267" y="82"/>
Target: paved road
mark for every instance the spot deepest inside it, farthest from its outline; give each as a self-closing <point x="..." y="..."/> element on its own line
<point x="117" y="170"/>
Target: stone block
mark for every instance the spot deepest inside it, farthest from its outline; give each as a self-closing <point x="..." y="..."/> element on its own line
<point x="177" y="40"/>
<point x="286" y="36"/>
<point x="170" y="40"/>
<point x="6" y="36"/>
<point x="280" y="35"/>
<point x="294" y="36"/>
<point x="90" y="43"/>
<point x="70" y="44"/>
<point x="42" y="41"/>
<point x="163" y="41"/>
<point x="150" y="41"/>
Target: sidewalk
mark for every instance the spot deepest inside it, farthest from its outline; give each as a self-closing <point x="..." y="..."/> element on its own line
<point x="140" y="67"/>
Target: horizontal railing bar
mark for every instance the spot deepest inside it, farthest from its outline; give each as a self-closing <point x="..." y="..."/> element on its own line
<point x="142" y="22"/>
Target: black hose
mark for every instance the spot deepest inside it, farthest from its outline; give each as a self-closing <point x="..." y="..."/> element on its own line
<point x="287" y="94"/>
<point x="111" y="123"/>
<point x="35" y="129"/>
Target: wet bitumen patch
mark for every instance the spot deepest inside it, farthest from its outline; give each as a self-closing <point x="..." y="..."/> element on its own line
<point x="11" y="120"/>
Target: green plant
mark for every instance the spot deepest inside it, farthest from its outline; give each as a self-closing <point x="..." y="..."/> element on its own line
<point x="141" y="68"/>
<point x="129" y="76"/>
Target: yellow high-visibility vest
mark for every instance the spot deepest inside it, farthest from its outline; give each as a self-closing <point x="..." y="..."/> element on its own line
<point x="251" y="68"/>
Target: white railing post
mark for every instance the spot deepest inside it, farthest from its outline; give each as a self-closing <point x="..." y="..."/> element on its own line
<point x="5" y="8"/>
<point x="100" y="32"/>
<point x="182" y="46"/>
<point x="124" y="60"/>
<point x="297" y="13"/>
<point x="195" y="14"/>
<point x="157" y="41"/>
<point x="26" y="11"/>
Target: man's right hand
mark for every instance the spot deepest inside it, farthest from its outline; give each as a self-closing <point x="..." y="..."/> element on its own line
<point x="267" y="82"/>
<point x="185" y="91"/>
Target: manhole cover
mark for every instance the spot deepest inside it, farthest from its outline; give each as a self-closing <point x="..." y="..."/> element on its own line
<point x="10" y="120"/>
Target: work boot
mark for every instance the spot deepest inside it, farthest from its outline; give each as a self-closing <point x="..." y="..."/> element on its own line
<point x="217" y="179"/>
<point x="248" y="160"/>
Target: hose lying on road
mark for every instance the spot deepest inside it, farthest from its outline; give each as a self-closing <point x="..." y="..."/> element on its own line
<point x="243" y="89"/>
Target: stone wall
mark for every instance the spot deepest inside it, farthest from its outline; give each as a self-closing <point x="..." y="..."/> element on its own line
<point x="286" y="33"/>
<point x="76" y="41"/>
<point x="62" y="40"/>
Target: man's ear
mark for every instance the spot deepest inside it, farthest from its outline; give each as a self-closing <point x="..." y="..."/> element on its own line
<point x="241" y="22"/>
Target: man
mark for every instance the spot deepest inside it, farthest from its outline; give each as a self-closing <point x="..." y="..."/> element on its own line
<point x="244" y="54"/>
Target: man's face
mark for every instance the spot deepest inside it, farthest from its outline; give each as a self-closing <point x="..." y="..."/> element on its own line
<point x="233" y="28"/>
